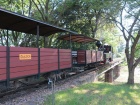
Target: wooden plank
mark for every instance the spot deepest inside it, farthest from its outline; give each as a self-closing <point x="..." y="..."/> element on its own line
<point x="3" y="71"/>
<point x="65" y="63"/>
<point x="2" y="65"/>
<point x="49" y="57"/>
<point x="48" y="50"/>
<point x="23" y="63"/>
<point x="23" y="73"/>
<point x="67" y="59"/>
<point x="49" y="54"/>
<point x="44" y="70"/>
<point x="81" y="51"/>
<point x="65" y="54"/>
<point x="99" y="56"/>
<point x="2" y="77"/>
<point x="2" y="54"/>
<point x="81" y="56"/>
<point x="24" y="68"/>
<point x="16" y="59"/>
<point x="93" y="56"/>
<point x="64" y="50"/>
<point x="3" y="60"/>
<point x="23" y="49"/>
<point x="88" y="56"/>
<point x="48" y="61"/>
<point x="3" y="48"/>
<point x="49" y="64"/>
<point x="47" y="68"/>
<point x="80" y="59"/>
<point x="16" y="54"/>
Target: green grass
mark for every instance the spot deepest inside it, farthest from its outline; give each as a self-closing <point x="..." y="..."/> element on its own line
<point x="98" y="94"/>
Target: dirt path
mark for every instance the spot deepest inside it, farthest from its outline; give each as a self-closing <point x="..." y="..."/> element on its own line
<point x="124" y="75"/>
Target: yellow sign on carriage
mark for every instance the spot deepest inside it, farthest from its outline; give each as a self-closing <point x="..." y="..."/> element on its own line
<point x="25" y="56"/>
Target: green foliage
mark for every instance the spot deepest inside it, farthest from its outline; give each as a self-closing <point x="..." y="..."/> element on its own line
<point x="109" y="35"/>
<point x="128" y="21"/>
<point x="98" y="94"/>
<point x="83" y="16"/>
<point x="137" y="50"/>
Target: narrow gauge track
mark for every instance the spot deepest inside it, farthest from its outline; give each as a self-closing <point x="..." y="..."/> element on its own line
<point x="40" y="83"/>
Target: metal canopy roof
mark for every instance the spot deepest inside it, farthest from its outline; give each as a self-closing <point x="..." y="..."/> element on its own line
<point x="20" y="23"/>
<point x="77" y="38"/>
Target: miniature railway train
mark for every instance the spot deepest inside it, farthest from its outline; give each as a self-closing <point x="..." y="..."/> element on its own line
<point x="23" y="62"/>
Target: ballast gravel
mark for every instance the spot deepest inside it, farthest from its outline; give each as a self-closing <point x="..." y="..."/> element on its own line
<point x="37" y="96"/>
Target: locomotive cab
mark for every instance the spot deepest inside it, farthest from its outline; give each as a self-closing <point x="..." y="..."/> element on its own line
<point x="108" y="53"/>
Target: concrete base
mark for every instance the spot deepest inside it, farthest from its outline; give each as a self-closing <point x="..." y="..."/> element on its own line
<point x="109" y="76"/>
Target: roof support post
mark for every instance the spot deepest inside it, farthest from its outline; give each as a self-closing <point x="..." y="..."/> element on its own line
<point x="7" y="61"/>
<point x="71" y="51"/>
<point x="70" y="41"/>
<point x="85" y="51"/>
<point x="7" y="39"/>
<point x="37" y="45"/>
<point x="37" y="41"/>
<point x="44" y="41"/>
<point x="84" y="43"/>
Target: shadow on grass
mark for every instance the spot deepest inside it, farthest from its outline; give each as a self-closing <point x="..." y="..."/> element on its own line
<point x="98" y="94"/>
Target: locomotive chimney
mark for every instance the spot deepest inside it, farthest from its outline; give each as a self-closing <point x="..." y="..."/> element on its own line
<point x="98" y="44"/>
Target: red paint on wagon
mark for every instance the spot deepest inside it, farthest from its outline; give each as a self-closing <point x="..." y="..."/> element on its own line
<point x="23" y="49"/>
<point x="64" y="50"/>
<point x="99" y="56"/>
<point x="49" y="64"/>
<point x="93" y="59"/>
<point x="49" y="57"/>
<point x="24" y="68"/>
<point x="2" y="54"/>
<point x="16" y="59"/>
<point x="16" y="54"/>
<point x="48" y="61"/>
<point x="2" y="65"/>
<point x="48" y="54"/>
<point x="3" y="48"/>
<point x="48" y="50"/>
<point x="23" y="63"/>
<point x="23" y="73"/>
<point x="65" y="58"/>
<point x="65" y="62"/>
<point x="3" y="71"/>
<point x="3" y="60"/>
<point x="88" y="56"/>
<point x="2" y="77"/>
<point x="81" y="56"/>
<point x="48" y="69"/>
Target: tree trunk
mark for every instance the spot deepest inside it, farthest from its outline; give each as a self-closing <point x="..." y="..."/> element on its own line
<point x="131" y="76"/>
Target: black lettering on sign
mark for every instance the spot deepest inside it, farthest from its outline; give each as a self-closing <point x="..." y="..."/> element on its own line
<point x="25" y="56"/>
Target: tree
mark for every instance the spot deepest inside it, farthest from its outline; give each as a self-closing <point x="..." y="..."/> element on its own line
<point x="83" y="16"/>
<point x="16" y="38"/>
<point x="128" y="21"/>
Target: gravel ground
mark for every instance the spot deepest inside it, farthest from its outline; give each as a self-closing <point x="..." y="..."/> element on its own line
<point x="124" y="75"/>
<point x="37" y="96"/>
